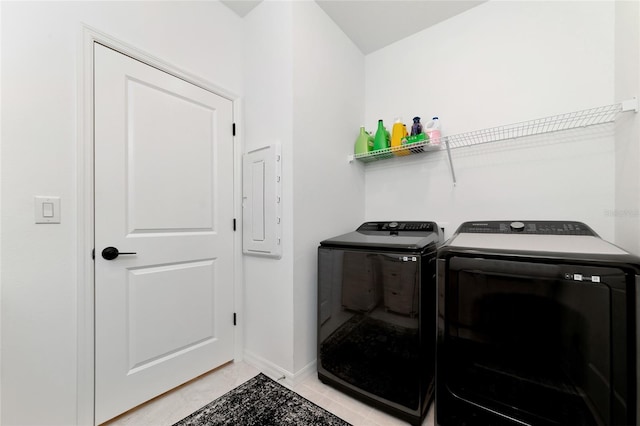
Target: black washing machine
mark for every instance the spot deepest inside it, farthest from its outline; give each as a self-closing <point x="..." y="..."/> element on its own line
<point x="537" y="325"/>
<point x="377" y="315"/>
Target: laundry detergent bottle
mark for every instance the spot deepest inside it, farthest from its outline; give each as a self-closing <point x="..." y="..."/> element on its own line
<point x="362" y="142"/>
<point x="398" y="133"/>
<point x="433" y="130"/>
<point x="381" y="140"/>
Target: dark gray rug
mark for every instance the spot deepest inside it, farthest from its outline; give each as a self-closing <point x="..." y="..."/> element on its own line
<point x="261" y="401"/>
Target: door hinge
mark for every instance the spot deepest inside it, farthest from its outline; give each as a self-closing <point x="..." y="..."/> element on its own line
<point x="93" y="254"/>
<point x="234" y="318"/>
<point x="234" y="129"/>
<point x="234" y="223"/>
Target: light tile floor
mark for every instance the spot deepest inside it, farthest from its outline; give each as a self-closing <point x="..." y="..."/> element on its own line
<point x="182" y="401"/>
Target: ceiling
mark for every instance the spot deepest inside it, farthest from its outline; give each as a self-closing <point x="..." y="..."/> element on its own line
<point x="374" y="24"/>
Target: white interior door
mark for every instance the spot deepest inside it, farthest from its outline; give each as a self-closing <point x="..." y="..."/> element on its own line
<point x="164" y="191"/>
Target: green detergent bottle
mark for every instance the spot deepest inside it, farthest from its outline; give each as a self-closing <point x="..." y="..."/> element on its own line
<point x="381" y="140"/>
<point x="371" y="140"/>
<point x="362" y="142"/>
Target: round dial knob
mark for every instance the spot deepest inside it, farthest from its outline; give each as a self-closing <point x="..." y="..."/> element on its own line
<point x="517" y="226"/>
<point x="393" y="225"/>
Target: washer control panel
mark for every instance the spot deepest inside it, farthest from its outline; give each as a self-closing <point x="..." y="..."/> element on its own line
<point x="527" y="227"/>
<point x="398" y="226"/>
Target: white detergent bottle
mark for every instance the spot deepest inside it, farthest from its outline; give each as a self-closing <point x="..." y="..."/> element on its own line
<point x="433" y="130"/>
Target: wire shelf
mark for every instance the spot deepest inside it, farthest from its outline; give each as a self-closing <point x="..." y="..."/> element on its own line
<point x="555" y="123"/>
<point x="572" y="120"/>
<point x="398" y="151"/>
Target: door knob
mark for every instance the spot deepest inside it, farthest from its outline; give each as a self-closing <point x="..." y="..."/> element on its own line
<point x="111" y="253"/>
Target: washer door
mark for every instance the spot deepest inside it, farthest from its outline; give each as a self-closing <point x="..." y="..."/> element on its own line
<point x="532" y="341"/>
<point x="369" y="315"/>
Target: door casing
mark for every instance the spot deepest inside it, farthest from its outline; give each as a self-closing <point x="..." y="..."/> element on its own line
<point x="85" y="213"/>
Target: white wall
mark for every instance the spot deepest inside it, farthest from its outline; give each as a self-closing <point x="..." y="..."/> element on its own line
<point x="627" y="60"/>
<point x="497" y="64"/>
<point x="268" y="107"/>
<point x="328" y="191"/>
<point x="0" y="219"/>
<point x="40" y="48"/>
<point x="304" y="89"/>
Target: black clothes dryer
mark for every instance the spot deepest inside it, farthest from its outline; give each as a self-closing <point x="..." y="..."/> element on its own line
<point x="537" y="325"/>
<point x="376" y="315"/>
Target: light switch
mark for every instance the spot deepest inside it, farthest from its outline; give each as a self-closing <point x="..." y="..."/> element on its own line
<point x="47" y="209"/>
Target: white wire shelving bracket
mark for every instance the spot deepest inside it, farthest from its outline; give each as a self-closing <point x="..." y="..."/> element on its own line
<point x="555" y="123"/>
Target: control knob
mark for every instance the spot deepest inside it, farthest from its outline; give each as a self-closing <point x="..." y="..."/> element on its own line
<point x="517" y="226"/>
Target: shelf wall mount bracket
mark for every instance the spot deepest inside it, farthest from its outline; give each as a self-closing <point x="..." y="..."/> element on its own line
<point x="453" y="172"/>
<point x="630" y="104"/>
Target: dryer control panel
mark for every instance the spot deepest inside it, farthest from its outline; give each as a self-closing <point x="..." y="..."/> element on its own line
<point x="527" y="227"/>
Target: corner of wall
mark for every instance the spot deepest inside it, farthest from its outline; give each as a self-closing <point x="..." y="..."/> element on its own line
<point x="1" y="334"/>
<point x="328" y="73"/>
<point x="626" y="214"/>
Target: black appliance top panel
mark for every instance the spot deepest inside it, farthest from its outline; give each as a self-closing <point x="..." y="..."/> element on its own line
<point x="537" y="227"/>
<point x="414" y="236"/>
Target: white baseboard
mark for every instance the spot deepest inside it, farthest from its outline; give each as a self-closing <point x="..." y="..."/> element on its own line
<point x="278" y="373"/>
<point x="308" y="370"/>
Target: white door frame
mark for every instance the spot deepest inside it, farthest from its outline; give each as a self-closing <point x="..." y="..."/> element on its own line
<point x="85" y="280"/>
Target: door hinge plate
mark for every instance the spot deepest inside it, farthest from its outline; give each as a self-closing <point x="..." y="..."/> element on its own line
<point x="234" y="223"/>
<point x="234" y="318"/>
<point x="234" y="129"/>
